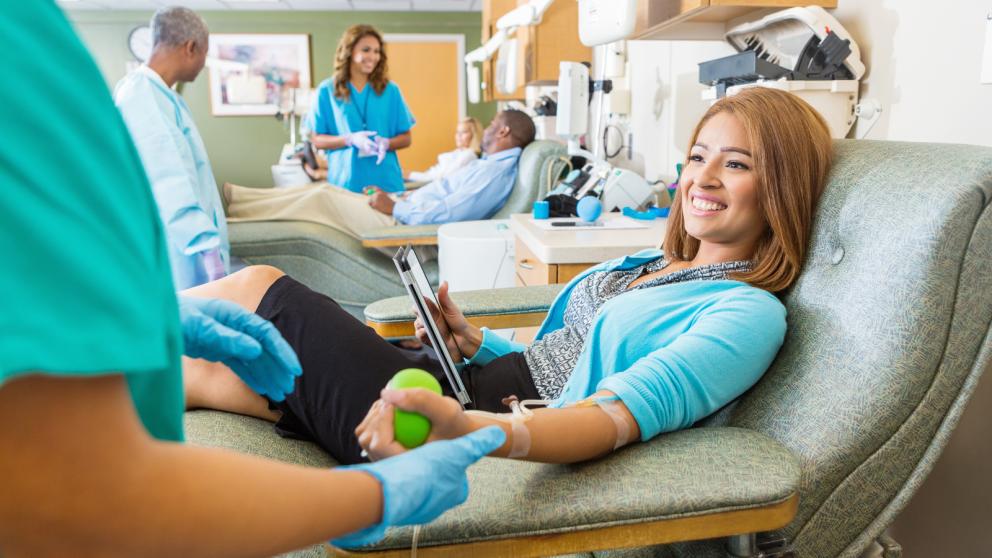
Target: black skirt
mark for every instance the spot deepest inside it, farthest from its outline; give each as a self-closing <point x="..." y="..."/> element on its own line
<point x="346" y="364"/>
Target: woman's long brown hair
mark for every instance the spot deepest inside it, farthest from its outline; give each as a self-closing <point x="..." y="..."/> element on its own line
<point x="342" y="61"/>
<point x="791" y="147"/>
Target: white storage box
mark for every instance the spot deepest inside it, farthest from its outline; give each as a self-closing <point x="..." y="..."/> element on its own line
<point x="474" y="255"/>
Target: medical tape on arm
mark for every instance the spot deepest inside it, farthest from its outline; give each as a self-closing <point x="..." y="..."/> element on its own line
<point x="613" y="407"/>
<point x="520" y="440"/>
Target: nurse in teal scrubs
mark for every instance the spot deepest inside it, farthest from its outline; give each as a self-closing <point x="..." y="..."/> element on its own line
<point x="360" y="117"/>
<point x="91" y="337"/>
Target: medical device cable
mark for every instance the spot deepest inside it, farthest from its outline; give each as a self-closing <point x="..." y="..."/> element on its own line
<point x="413" y="541"/>
<point x="606" y="144"/>
<point x="602" y="96"/>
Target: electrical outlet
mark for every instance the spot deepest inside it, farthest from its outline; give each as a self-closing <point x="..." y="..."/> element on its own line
<point x="987" y="53"/>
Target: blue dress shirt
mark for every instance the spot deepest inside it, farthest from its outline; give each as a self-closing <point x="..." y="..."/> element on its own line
<point x="476" y="191"/>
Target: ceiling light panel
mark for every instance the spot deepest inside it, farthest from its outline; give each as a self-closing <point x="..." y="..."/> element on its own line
<point x="442" y="5"/>
<point x="273" y="5"/>
<point x="382" y="5"/>
<point x="195" y="4"/>
<point x="319" y="5"/>
<point x="80" y="5"/>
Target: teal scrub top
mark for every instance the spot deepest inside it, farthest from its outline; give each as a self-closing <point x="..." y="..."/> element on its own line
<point x="386" y="114"/>
<point x="86" y="288"/>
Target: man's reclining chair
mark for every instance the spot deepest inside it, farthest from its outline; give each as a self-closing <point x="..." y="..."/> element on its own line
<point x="352" y="272"/>
<point x="889" y="332"/>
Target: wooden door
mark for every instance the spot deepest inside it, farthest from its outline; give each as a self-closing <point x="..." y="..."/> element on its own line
<point x="427" y="71"/>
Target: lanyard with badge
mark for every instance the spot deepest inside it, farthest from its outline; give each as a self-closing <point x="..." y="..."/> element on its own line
<point x="364" y="111"/>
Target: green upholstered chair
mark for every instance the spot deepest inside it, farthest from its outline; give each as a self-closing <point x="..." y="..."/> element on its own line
<point x="889" y="332"/>
<point x="351" y="271"/>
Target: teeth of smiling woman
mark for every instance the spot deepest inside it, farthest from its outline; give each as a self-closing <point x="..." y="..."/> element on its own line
<point x="707" y="205"/>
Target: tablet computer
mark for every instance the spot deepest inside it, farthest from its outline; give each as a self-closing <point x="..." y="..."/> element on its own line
<point x="308" y="157"/>
<point x="420" y="290"/>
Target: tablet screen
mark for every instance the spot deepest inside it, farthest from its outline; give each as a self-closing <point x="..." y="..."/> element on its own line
<point x="413" y="263"/>
<point x="420" y="291"/>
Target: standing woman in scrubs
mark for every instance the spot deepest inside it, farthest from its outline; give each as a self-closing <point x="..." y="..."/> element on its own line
<point x="360" y="117"/>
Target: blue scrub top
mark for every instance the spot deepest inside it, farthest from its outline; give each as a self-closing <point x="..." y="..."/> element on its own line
<point x="386" y="114"/>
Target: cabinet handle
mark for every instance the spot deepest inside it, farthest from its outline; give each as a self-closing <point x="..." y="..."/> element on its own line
<point x="524" y="265"/>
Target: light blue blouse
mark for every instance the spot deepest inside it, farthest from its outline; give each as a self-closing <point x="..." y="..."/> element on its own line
<point x="386" y="114"/>
<point x="672" y="353"/>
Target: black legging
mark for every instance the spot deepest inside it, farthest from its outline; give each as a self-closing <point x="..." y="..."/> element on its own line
<point x="346" y="364"/>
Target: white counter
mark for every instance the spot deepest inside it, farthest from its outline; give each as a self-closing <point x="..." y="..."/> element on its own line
<point x="585" y="244"/>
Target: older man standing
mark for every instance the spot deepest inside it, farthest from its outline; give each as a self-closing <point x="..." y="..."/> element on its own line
<point x="171" y="149"/>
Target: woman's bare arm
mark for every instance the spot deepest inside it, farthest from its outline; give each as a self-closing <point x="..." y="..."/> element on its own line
<point x="401" y="141"/>
<point x="83" y="477"/>
<point x="566" y="435"/>
<point x="326" y="141"/>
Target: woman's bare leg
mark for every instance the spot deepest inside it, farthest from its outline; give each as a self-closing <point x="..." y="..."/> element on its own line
<point x="211" y="385"/>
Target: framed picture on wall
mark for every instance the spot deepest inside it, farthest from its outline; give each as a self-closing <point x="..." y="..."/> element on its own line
<point x="249" y="72"/>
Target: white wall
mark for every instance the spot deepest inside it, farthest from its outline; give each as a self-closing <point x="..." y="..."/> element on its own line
<point x="666" y="100"/>
<point x="923" y="63"/>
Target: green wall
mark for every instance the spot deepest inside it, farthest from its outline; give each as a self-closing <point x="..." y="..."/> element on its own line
<point x="242" y="148"/>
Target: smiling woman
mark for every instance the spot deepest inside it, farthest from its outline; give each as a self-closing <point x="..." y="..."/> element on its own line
<point x="360" y="117"/>
<point x="631" y="348"/>
<point x="757" y="163"/>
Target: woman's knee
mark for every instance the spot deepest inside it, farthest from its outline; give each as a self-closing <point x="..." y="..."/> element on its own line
<point x="247" y="286"/>
<point x="257" y="275"/>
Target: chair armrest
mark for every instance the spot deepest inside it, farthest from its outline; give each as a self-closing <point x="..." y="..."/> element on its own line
<point x="415" y="184"/>
<point x="493" y="308"/>
<point x="401" y="235"/>
<point x="694" y="484"/>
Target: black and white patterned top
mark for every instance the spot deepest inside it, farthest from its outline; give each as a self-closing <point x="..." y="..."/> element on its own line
<point x="552" y="359"/>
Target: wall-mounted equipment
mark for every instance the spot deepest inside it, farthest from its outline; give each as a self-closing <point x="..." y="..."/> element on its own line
<point x="504" y="41"/>
<point x="606" y="21"/>
<point x="805" y="51"/>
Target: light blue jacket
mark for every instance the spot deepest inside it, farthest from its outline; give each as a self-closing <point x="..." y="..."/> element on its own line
<point x="473" y="192"/>
<point x="673" y="353"/>
<point x="175" y="160"/>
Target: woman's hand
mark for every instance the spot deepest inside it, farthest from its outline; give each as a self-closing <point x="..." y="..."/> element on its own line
<point x="377" y="437"/>
<point x="462" y="338"/>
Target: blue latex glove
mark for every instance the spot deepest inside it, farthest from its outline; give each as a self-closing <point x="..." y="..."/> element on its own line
<point x="362" y="141"/>
<point x="221" y="331"/>
<point x="381" y="148"/>
<point x="420" y="485"/>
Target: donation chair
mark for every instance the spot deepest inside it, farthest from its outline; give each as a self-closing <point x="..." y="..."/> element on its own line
<point x="888" y="334"/>
<point x="351" y="271"/>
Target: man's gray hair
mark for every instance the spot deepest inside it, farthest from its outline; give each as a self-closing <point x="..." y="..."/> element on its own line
<point x="174" y="25"/>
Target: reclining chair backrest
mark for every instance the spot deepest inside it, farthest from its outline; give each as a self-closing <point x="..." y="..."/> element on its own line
<point x="539" y="160"/>
<point x="888" y="334"/>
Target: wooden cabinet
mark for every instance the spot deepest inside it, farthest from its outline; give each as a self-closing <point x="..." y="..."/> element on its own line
<point x="531" y="271"/>
<point x="704" y="19"/>
<point x="539" y="47"/>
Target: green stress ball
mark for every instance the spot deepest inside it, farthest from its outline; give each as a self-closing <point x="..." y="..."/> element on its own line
<point x="412" y="429"/>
